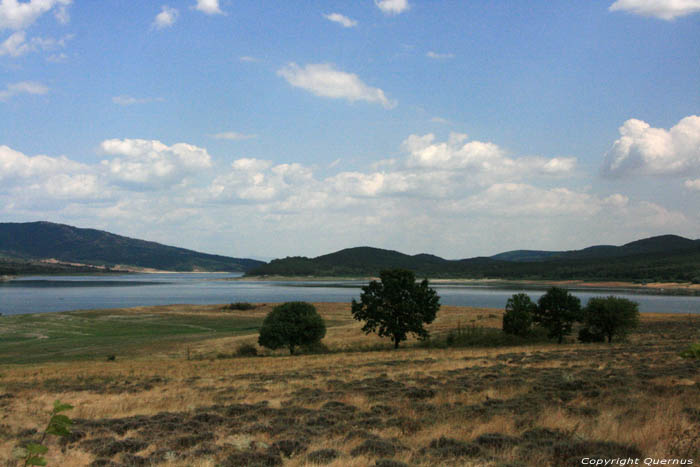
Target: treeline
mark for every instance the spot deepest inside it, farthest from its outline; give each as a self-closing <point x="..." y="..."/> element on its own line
<point x="680" y="266"/>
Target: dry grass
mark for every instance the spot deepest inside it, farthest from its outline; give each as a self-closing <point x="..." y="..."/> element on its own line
<point x="637" y="396"/>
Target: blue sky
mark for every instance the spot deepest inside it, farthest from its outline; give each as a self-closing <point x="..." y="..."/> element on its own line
<point x="256" y="128"/>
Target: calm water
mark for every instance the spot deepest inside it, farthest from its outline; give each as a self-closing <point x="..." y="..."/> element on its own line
<point x="41" y="294"/>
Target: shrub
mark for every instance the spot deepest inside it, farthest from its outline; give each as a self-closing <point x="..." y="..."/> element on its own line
<point x="517" y="319"/>
<point x="693" y="351"/>
<point x="609" y="317"/>
<point x="59" y="425"/>
<point x="240" y="306"/>
<point x="586" y="335"/>
<point x="290" y="325"/>
<point x="246" y="350"/>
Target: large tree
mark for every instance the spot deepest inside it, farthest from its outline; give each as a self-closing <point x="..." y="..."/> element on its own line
<point x="610" y="316"/>
<point x="396" y="305"/>
<point x="290" y="325"/>
<point x="556" y="311"/>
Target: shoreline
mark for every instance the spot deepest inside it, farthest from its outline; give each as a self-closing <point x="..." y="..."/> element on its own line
<point x="657" y="288"/>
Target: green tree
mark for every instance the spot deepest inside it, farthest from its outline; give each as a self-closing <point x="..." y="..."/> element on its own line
<point x="556" y="311"/>
<point x="610" y="317"/>
<point x="290" y="325"/>
<point x="396" y="306"/>
<point x="519" y="314"/>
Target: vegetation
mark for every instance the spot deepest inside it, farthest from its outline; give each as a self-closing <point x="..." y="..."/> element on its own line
<point x="536" y="404"/>
<point x="59" y="425"/>
<point x="517" y="319"/>
<point x="40" y="240"/>
<point x="557" y="311"/>
<point x="605" y="318"/>
<point x="396" y="306"/>
<point x="239" y="306"/>
<point x="693" y="351"/>
<point x="290" y="325"/>
<point x="665" y="258"/>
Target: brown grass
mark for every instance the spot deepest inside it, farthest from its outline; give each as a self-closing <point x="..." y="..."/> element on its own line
<point x="637" y="394"/>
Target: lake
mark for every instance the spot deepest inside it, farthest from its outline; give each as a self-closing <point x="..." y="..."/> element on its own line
<point x="42" y="294"/>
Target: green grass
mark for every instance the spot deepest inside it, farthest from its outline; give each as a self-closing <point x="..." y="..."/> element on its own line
<point x="84" y="335"/>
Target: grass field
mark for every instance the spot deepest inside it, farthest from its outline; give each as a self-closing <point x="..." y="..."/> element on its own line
<point x="362" y="404"/>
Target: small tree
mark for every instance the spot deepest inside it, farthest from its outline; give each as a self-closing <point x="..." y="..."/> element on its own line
<point x="610" y="316"/>
<point x="290" y="325"/>
<point x="556" y="311"/>
<point x="519" y="313"/>
<point x="396" y="306"/>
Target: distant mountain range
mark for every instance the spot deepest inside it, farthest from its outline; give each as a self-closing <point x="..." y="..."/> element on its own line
<point x="666" y="257"/>
<point x="23" y="245"/>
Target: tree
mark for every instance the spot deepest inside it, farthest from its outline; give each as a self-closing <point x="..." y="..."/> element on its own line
<point x="611" y="316"/>
<point x="556" y="311"/>
<point x="290" y="325"/>
<point x="396" y="306"/>
<point x="519" y="314"/>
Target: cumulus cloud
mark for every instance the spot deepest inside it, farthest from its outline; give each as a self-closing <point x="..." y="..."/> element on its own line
<point x="23" y="87"/>
<point x="14" y="164"/>
<point x="18" y="15"/>
<point x="325" y="80"/>
<point x="479" y="157"/>
<point x="166" y="18"/>
<point x="341" y="19"/>
<point x="663" y="9"/>
<point x="392" y="7"/>
<point x="642" y="149"/>
<point x="233" y="136"/>
<point x="150" y="163"/>
<point x="210" y="7"/>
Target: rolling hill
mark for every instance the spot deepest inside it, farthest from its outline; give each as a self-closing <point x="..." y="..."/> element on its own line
<point x="23" y="244"/>
<point x="662" y="258"/>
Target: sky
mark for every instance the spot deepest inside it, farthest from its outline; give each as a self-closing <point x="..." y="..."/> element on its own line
<point x="265" y="129"/>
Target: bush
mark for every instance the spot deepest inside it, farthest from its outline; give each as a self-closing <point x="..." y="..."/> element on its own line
<point x="693" y="351"/>
<point x="586" y="335"/>
<point x="239" y="306"/>
<point x="609" y="317"/>
<point x="247" y="350"/>
<point x="517" y="319"/>
<point x="290" y="325"/>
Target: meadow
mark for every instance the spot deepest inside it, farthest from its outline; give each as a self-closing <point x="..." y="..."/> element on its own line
<point x="177" y="394"/>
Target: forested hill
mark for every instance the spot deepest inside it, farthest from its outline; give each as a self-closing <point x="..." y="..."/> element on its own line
<point x="33" y="241"/>
<point x="667" y="258"/>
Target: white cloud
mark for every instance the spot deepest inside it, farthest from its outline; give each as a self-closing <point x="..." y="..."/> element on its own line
<point x="14" y="164"/>
<point x="233" y="136"/>
<point x="23" y="87"/>
<point x="17" y="44"/>
<point x="249" y="59"/>
<point x="150" y="163"/>
<point x="479" y="158"/>
<point x="325" y="80"/>
<point x="341" y="19"/>
<point x="693" y="184"/>
<point x="210" y="7"/>
<point x="18" y="15"/>
<point x="125" y="100"/>
<point x="439" y="56"/>
<point x="392" y="7"/>
<point x="166" y="18"/>
<point x="663" y="9"/>
<point x="642" y="149"/>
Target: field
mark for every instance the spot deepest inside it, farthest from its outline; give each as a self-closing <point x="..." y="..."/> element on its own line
<point x="175" y="395"/>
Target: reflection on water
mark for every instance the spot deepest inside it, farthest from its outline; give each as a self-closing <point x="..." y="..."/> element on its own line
<point x="39" y="294"/>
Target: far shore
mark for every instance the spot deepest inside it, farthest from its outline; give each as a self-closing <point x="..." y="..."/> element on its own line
<point x="676" y="288"/>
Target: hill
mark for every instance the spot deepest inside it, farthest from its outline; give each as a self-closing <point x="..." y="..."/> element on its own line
<point x="662" y="258"/>
<point x="34" y="241"/>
